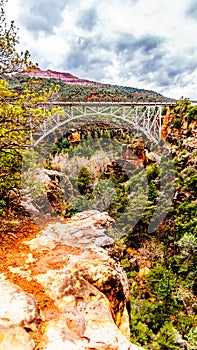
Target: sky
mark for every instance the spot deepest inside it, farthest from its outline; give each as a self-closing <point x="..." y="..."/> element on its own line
<point x="148" y="44"/>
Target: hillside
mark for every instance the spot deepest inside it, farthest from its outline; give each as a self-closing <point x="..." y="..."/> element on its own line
<point x="72" y="88"/>
<point x="160" y="264"/>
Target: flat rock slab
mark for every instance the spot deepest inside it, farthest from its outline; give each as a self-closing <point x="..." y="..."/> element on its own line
<point x="85" y="230"/>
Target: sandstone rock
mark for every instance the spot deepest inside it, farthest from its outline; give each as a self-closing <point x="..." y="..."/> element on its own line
<point x="90" y="276"/>
<point x="15" y="339"/>
<point x="87" y="321"/>
<point x="190" y="144"/>
<point x="41" y="242"/>
<point x="180" y="342"/>
<point x="86" y="229"/>
<point x="143" y="272"/>
<point x="92" y="218"/>
<point x="110" y="279"/>
<point x="17" y="308"/>
<point x="67" y="288"/>
<point x="49" y="197"/>
<point x="22" y="273"/>
<point x="152" y="157"/>
<point x="97" y="335"/>
<point x="86" y="290"/>
<point x="77" y="236"/>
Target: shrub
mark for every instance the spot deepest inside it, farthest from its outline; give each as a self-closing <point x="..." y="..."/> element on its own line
<point x="177" y="123"/>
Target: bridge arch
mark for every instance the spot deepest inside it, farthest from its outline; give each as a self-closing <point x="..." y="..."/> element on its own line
<point x="146" y="118"/>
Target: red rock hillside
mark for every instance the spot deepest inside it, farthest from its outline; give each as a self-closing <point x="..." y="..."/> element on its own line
<point x="65" y="77"/>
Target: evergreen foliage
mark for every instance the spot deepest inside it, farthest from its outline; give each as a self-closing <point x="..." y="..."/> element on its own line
<point x="84" y="180"/>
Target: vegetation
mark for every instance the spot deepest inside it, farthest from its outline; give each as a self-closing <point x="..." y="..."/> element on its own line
<point x="87" y="93"/>
<point x="164" y="301"/>
<point x="11" y="60"/>
<point x="163" y="282"/>
<point x="20" y="115"/>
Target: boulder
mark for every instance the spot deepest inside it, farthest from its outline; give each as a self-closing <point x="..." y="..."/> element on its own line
<point x="17" y="308"/>
<point x="15" y="339"/>
<point x="98" y="334"/>
<point x="90" y="277"/>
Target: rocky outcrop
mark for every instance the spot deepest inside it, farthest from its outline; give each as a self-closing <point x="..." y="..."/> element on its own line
<point x="86" y="229"/>
<point x="70" y="295"/>
<point x="50" y="196"/>
<point x="64" y="77"/>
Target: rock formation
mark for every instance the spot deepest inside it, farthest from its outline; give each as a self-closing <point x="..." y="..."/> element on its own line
<point x="63" y="291"/>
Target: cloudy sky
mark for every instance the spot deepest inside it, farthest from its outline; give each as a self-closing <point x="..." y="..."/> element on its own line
<point x="147" y="44"/>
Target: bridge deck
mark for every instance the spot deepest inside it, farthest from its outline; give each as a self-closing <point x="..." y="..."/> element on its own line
<point x="111" y="103"/>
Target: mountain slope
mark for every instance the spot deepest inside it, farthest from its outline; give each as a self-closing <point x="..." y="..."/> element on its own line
<point x="73" y="88"/>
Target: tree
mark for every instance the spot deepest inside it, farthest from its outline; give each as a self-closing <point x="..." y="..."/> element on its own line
<point x="19" y="116"/>
<point x="10" y="60"/>
<point x="182" y="107"/>
<point x="84" y="180"/>
<point x="192" y="114"/>
<point x="20" y="113"/>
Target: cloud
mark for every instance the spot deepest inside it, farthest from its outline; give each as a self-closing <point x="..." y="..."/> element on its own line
<point x="42" y="15"/>
<point x="85" y="56"/>
<point x="87" y="19"/>
<point x="149" y="43"/>
<point x="127" y="46"/>
<point x="146" y="44"/>
<point x="125" y="42"/>
<point x="192" y="10"/>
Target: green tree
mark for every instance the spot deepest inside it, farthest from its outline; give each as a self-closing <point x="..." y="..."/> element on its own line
<point x="163" y="285"/>
<point x="177" y="123"/>
<point x="166" y="338"/>
<point x="10" y="60"/>
<point x="192" y="338"/>
<point x="182" y="107"/>
<point x="20" y="114"/>
<point x="152" y="172"/>
<point x="192" y="114"/>
<point x="152" y="192"/>
<point x="84" y="180"/>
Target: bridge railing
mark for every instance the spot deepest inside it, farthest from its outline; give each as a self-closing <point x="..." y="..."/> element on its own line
<point x="111" y="103"/>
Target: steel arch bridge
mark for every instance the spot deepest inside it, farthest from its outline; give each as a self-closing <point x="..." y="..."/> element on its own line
<point x="144" y="117"/>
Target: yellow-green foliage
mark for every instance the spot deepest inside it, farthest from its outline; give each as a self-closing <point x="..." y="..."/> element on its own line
<point x="20" y="112"/>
